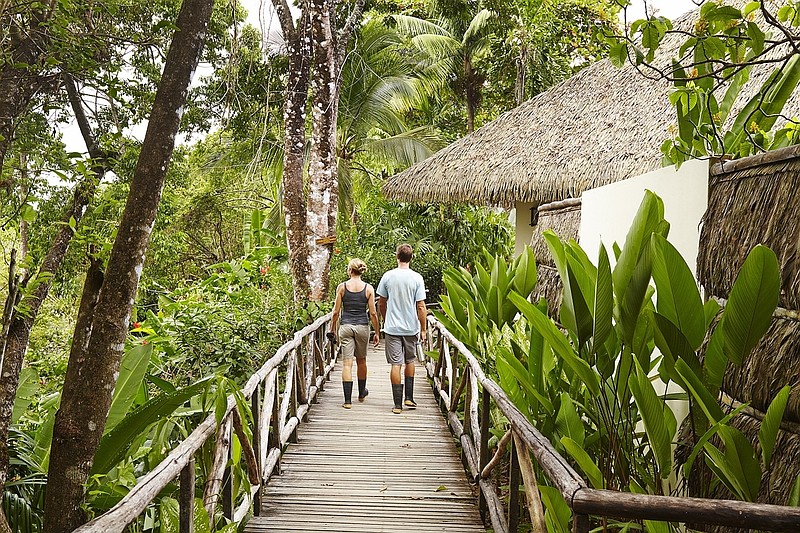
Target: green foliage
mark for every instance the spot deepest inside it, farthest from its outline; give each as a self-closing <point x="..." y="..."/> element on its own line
<point x="711" y="67"/>
<point x="588" y="383"/>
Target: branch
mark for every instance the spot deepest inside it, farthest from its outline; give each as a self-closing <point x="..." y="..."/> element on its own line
<point x="350" y="24"/>
<point x="285" y="18"/>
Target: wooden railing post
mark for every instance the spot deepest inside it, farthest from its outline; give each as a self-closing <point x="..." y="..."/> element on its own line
<point x="580" y="523"/>
<point x="255" y="407"/>
<point x="227" y="477"/>
<point x="513" y="492"/>
<point x="186" y="503"/>
<point x="275" y="434"/>
<point x="293" y="397"/>
<point x="484" y="444"/>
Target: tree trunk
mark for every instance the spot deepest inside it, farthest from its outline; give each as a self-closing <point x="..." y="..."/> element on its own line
<point x="94" y="362"/>
<point x="294" y="194"/>
<point x="19" y="73"/>
<point x="330" y="48"/>
<point x="16" y="335"/>
<point x="472" y="94"/>
<point x="323" y="199"/>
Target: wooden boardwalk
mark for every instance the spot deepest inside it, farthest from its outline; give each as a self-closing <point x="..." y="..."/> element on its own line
<point x="368" y="470"/>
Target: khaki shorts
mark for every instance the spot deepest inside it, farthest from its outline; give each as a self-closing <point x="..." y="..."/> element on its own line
<point x="400" y="349"/>
<point x="354" y="339"/>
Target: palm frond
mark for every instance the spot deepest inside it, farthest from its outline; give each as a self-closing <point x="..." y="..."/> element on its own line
<point x="437" y="46"/>
<point x="405" y="148"/>
<point x="413" y="26"/>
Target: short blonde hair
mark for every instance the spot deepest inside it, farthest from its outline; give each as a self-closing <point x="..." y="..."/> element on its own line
<point x="357" y="266"/>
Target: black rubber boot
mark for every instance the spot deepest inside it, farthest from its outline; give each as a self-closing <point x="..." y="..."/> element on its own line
<point x="397" y="395"/>
<point x="362" y="389"/>
<point x="409" y="401"/>
<point x="348" y="394"/>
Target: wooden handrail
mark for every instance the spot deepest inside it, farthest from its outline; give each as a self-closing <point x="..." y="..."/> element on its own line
<point x="583" y="500"/>
<point x="273" y="414"/>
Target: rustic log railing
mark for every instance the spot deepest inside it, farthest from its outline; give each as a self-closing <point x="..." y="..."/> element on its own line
<point x="303" y="365"/>
<point x="456" y="373"/>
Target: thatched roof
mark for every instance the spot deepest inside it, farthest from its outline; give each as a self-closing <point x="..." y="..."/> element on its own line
<point x="601" y="126"/>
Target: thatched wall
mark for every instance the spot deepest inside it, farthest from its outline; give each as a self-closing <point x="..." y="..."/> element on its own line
<point x="754" y="201"/>
<point x="776" y="484"/>
<point x="564" y="219"/>
<point x="600" y="126"/>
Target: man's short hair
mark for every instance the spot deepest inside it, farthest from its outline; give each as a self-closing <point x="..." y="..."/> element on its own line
<point x="405" y="253"/>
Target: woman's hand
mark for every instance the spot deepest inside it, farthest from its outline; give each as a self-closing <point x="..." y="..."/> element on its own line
<point x="376" y="338"/>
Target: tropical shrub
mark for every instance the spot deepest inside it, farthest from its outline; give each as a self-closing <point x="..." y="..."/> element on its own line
<point x="589" y="382"/>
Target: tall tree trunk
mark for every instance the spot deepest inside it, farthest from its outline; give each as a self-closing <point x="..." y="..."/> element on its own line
<point x="19" y="73"/>
<point x="323" y="177"/>
<point x="298" y="44"/>
<point x="330" y="48"/>
<point x="17" y="330"/>
<point x="471" y="94"/>
<point x="91" y="373"/>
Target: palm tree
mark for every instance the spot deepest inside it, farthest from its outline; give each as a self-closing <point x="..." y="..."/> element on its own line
<point x="380" y="87"/>
<point x="453" y="42"/>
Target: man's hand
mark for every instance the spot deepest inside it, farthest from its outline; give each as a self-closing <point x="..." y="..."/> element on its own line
<point x="423" y="336"/>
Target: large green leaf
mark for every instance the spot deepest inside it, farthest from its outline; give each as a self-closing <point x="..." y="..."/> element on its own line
<point x="753" y="299"/>
<point x="706" y="401"/>
<point x="678" y="297"/>
<point x="132" y="370"/>
<point x="26" y="390"/>
<point x="603" y="305"/>
<point x="659" y="420"/>
<point x="741" y="462"/>
<point x="169" y="516"/>
<point x="647" y="219"/>
<point x="585" y="462"/>
<point x="673" y="345"/>
<point x="771" y="424"/>
<point x="116" y="442"/>
<point x="794" y="495"/>
<point x="525" y="273"/>
<point x="700" y="444"/>
<point x="557" y="513"/>
<point x="553" y="336"/>
<point x="568" y="421"/>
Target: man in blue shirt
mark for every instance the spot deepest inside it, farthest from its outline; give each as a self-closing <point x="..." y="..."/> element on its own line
<point x="401" y="304"/>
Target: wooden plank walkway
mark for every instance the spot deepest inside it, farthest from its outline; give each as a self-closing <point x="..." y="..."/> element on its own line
<point x="368" y="470"/>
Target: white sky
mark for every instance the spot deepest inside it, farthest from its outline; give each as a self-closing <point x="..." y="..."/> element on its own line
<point x="665" y="8"/>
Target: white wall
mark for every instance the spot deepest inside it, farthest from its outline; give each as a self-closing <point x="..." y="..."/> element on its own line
<point x="607" y="212"/>
<point x="522" y="226"/>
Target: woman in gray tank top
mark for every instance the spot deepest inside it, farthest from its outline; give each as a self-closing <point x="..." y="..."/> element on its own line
<point x="355" y="302"/>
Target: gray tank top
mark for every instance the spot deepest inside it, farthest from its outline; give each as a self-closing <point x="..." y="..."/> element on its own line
<point x="354" y="307"/>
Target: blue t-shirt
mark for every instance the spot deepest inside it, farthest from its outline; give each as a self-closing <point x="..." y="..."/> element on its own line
<point x="402" y="288"/>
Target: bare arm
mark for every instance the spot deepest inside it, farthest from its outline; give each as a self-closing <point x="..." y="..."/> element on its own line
<point x="373" y="314"/>
<point x="422" y="316"/>
<point x="337" y="308"/>
<point x="382" y="307"/>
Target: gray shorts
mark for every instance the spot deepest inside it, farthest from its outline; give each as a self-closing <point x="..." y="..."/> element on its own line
<point x="354" y="339"/>
<point x="400" y="349"/>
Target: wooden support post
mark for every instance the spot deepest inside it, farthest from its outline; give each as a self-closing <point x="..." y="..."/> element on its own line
<point x="227" y="479"/>
<point x="186" y="503"/>
<point x="275" y="433"/>
<point x="293" y="400"/>
<point x="513" y="492"/>
<point x="255" y="406"/>
<point x="580" y="523"/>
<point x="484" y="445"/>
